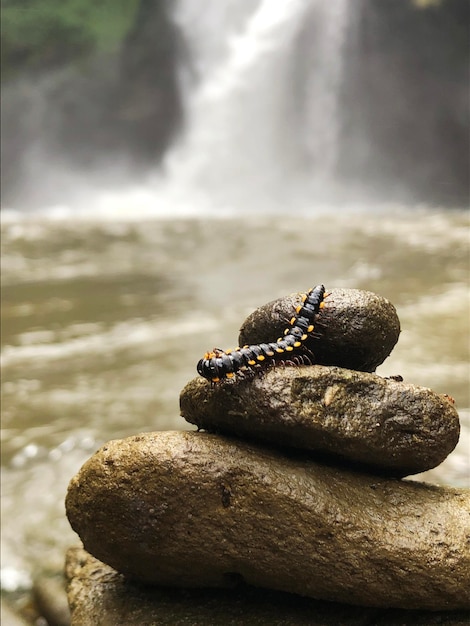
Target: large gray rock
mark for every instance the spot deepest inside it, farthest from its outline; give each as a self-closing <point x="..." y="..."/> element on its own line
<point x="357" y="329"/>
<point x="194" y="509"/>
<point x="100" y="595"/>
<point x="381" y="424"/>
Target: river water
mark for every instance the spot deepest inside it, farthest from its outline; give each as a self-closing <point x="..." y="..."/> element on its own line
<point x="104" y="320"/>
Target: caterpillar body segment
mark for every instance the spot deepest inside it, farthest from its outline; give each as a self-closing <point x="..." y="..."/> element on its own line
<point x="221" y="364"/>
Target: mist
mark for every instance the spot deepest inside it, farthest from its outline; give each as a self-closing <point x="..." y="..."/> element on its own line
<point x="246" y="106"/>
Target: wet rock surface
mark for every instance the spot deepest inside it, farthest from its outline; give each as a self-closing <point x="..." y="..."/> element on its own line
<point x="100" y="595"/>
<point x="357" y="329"/>
<point x="196" y="509"/>
<point x="381" y="424"/>
<point x="294" y="490"/>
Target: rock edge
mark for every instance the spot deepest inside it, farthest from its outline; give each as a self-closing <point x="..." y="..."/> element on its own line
<point x="362" y="419"/>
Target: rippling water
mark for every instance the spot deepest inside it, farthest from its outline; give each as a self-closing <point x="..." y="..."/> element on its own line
<point x="103" y="322"/>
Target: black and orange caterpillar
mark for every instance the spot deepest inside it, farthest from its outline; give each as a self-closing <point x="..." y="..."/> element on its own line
<point x="221" y="364"/>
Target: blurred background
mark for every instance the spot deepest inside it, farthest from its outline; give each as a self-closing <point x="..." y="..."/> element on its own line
<point x="243" y="101"/>
<point x="169" y="166"/>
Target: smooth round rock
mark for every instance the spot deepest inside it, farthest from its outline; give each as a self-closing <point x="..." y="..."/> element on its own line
<point x="383" y="425"/>
<point x="193" y="509"/>
<point x="357" y="329"/>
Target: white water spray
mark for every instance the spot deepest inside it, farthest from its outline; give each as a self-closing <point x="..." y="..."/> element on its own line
<point x="265" y="116"/>
<point x="262" y="92"/>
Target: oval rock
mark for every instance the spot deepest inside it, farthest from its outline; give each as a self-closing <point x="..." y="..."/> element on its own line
<point x="356" y="329"/>
<point x="381" y="424"/>
<point x="194" y="509"/>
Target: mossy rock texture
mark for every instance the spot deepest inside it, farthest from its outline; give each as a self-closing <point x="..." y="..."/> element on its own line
<point x="361" y="419"/>
<point x="100" y="595"/>
<point x="195" y="509"/>
<point x="356" y="329"/>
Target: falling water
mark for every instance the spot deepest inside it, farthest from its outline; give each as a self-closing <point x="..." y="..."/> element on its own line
<point x="265" y="112"/>
<point x="323" y="47"/>
<point x="287" y="104"/>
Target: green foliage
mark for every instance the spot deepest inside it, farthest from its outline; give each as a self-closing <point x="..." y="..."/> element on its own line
<point x="38" y="34"/>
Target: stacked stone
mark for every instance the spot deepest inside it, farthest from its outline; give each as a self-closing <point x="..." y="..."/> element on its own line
<point x="294" y="483"/>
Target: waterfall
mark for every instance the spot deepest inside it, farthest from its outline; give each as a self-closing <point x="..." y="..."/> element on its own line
<point x="323" y="50"/>
<point x="288" y="104"/>
<point x="263" y="114"/>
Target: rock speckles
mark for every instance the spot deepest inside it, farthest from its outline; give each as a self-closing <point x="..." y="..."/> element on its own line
<point x="100" y="595"/>
<point x="357" y="329"/>
<point x="387" y="426"/>
<point x="196" y="509"/>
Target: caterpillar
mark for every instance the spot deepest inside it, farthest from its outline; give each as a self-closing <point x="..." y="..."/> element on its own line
<point x="223" y="364"/>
